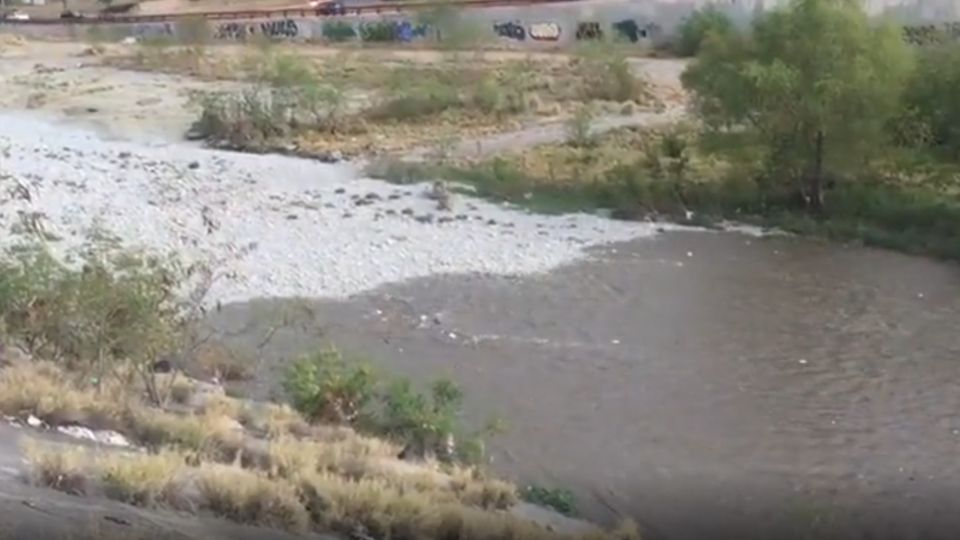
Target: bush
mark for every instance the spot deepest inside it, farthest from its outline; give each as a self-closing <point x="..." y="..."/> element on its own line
<point x="932" y="116"/>
<point x="559" y="499"/>
<point x="117" y="308"/>
<point x="695" y="28"/>
<point x="605" y="73"/>
<point x="578" y="127"/>
<point x="412" y="94"/>
<point x="325" y="388"/>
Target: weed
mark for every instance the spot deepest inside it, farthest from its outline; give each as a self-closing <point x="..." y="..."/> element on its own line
<point x="696" y="27"/>
<point x="325" y="388"/>
<point x="142" y="480"/>
<point x="578" y="127"/>
<point x="559" y="499"/>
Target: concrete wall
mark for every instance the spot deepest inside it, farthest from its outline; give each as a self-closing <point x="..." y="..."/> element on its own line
<point x="644" y="22"/>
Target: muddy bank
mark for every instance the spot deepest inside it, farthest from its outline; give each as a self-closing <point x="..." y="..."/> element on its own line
<point x="702" y="382"/>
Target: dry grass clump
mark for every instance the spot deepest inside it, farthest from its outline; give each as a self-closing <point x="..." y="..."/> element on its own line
<point x="45" y="391"/>
<point x="243" y="496"/>
<point x="62" y="469"/>
<point x="141" y="480"/>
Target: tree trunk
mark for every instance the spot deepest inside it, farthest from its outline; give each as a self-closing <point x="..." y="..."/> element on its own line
<point x="816" y="178"/>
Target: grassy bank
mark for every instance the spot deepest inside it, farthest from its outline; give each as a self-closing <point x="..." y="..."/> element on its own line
<point x="356" y="451"/>
<point x="905" y="202"/>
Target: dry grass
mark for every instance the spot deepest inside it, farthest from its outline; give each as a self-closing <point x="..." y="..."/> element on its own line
<point x="332" y="479"/>
<point x="43" y="390"/>
<point x="243" y="496"/>
<point x="496" y="93"/>
<point x="142" y="480"/>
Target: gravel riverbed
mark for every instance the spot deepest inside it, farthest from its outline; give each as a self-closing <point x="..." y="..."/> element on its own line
<point x="277" y="226"/>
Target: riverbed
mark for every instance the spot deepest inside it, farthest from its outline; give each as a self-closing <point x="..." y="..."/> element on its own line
<point x="706" y="384"/>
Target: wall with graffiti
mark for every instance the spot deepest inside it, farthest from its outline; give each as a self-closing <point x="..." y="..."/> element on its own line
<point x="647" y="23"/>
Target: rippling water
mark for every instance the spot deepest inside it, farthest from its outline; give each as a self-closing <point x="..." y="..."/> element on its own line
<point x="707" y="384"/>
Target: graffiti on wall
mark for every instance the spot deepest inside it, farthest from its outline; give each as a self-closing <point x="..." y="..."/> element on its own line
<point x="544" y="31"/>
<point x="402" y="31"/>
<point x="629" y="30"/>
<point x="153" y="31"/>
<point x="929" y="34"/>
<point x="284" y="29"/>
<point x="589" y="30"/>
<point x="510" y="30"/>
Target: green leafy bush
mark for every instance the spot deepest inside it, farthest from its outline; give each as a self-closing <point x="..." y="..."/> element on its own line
<point x="695" y="28"/>
<point x="559" y="499"/>
<point x="325" y="388"/>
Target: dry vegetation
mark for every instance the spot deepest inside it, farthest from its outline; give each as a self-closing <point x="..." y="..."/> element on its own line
<point x="324" y="478"/>
<point x="332" y="462"/>
<point x="359" y="103"/>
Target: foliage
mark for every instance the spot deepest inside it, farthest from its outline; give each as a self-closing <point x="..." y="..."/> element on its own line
<point x="578" y="127"/>
<point x="816" y="81"/>
<point x="410" y="94"/>
<point x="287" y="95"/>
<point x="605" y="74"/>
<point x="931" y="110"/>
<point x="324" y="387"/>
<point x="559" y="499"/>
<point x="116" y="309"/>
<point x="327" y="388"/>
<point x="700" y="24"/>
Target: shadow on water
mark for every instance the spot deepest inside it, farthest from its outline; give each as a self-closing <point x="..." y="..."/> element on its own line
<point x="707" y="384"/>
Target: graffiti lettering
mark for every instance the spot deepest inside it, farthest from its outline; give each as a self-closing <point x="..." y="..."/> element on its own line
<point x="545" y="31"/>
<point x="589" y="30"/>
<point x="234" y="31"/>
<point x="510" y="30"/>
<point x="402" y="31"/>
<point x="148" y="31"/>
<point x="285" y="29"/>
<point x="631" y="31"/>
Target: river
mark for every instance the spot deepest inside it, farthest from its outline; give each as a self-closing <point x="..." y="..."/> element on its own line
<point x="706" y="384"/>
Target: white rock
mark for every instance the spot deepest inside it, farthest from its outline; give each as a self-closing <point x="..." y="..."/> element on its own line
<point x="325" y="256"/>
<point x="33" y="421"/>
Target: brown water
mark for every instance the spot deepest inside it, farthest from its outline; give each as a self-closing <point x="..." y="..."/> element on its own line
<point x="763" y="388"/>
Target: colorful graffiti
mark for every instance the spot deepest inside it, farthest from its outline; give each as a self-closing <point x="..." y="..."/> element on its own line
<point x="402" y="31"/>
<point x="631" y="31"/>
<point x="284" y="29"/>
<point x="510" y="30"/>
<point x="544" y="31"/>
<point x="589" y="30"/>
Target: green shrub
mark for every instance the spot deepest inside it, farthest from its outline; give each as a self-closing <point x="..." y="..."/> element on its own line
<point x="932" y="110"/>
<point x="579" y="126"/>
<point x="324" y="387"/>
<point x="696" y="27"/>
<point x="559" y="499"/>
<point x="605" y="74"/>
<point x="117" y="308"/>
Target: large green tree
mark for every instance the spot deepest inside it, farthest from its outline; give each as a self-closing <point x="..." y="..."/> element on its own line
<point x="815" y="82"/>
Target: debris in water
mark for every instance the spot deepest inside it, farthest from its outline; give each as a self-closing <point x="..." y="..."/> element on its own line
<point x="803" y="360"/>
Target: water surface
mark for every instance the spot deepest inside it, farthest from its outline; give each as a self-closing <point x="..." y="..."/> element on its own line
<point x="706" y="384"/>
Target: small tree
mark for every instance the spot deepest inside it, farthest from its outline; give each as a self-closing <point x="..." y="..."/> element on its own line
<point x="814" y="81"/>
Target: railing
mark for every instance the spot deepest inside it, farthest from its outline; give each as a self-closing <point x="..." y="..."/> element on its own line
<point x="280" y="13"/>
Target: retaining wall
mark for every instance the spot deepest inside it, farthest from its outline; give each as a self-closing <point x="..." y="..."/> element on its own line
<point x="644" y="22"/>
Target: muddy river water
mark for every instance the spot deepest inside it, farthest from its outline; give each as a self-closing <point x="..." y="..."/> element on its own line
<point x="706" y="384"/>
